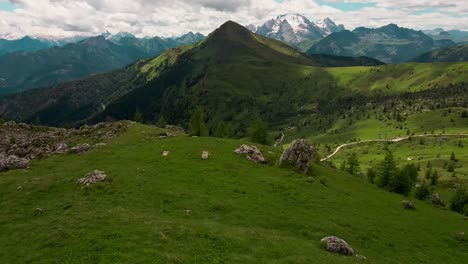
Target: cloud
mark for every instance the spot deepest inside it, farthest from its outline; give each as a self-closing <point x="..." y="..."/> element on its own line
<point x="175" y="17"/>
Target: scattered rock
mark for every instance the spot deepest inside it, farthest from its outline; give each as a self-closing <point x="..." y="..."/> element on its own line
<point x="38" y="211"/>
<point x="337" y="245"/>
<point x="80" y="149"/>
<point x="298" y="155"/>
<point x="165" y="153"/>
<point x="100" y="144"/>
<point x="436" y="200"/>
<point x="175" y="128"/>
<point x="460" y="236"/>
<point x="408" y="205"/>
<point x="93" y="177"/>
<point x="62" y="148"/>
<point x="205" y="155"/>
<point x="252" y="153"/>
<point x="188" y="212"/>
<point x="12" y="162"/>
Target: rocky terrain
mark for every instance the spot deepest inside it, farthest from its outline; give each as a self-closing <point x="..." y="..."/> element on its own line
<point x="20" y="143"/>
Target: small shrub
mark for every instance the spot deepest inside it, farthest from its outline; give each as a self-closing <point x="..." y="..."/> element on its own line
<point x="324" y="181"/>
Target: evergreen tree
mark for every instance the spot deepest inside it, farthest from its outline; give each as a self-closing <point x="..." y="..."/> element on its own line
<point x="221" y="130"/>
<point x="401" y="182"/>
<point x="422" y="192"/>
<point x="229" y="131"/>
<point x="197" y="124"/>
<point x="452" y="157"/>
<point x="161" y="122"/>
<point x="459" y="201"/>
<point x="138" y="117"/>
<point x="434" y="178"/>
<point x="258" y="132"/>
<point x="387" y="170"/>
<point x="353" y="164"/>
<point x="371" y="175"/>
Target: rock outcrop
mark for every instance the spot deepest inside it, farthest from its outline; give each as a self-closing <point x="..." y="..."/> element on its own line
<point x="408" y="205"/>
<point x="251" y="153"/>
<point x="436" y="200"/>
<point x="93" y="178"/>
<point x="21" y="142"/>
<point x="12" y="162"/>
<point x="337" y="245"/>
<point x="298" y="155"/>
<point x="80" y="149"/>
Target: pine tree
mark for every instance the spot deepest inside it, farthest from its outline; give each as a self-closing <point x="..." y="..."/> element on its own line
<point x="161" y="122"/>
<point x="138" y="117"/>
<point x="371" y="175"/>
<point x="434" y="178"/>
<point x="197" y="124"/>
<point x="353" y="164"/>
<point x="387" y="170"/>
<point x="452" y="157"/>
<point x="221" y="130"/>
<point x="258" y="132"/>
<point x="230" y="131"/>
<point x="422" y="192"/>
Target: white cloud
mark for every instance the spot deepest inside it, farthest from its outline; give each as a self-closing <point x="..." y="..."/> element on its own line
<point x="175" y="17"/>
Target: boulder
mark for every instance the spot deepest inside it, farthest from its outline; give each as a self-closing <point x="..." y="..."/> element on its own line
<point x="408" y="205"/>
<point x="252" y="153"/>
<point x="205" y="155"/>
<point x="436" y="200"/>
<point x="12" y="162"/>
<point x="80" y="149"/>
<point x="61" y="148"/>
<point x="93" y="178"/>
<point x="298" y="155"/>
<point x="165" y="153"/>
<point x="337" y="245"/>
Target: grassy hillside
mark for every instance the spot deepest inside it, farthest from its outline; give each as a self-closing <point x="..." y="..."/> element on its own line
<point x="421" y="151"/>
<point x="241" y="212"/>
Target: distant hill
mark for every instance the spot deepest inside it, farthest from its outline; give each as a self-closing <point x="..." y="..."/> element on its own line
<point x="453" y="54"/>
<point x="343" y="61"/>
<point x="235" y="75"/>
<point x="25" y="70"/>
<point x="457" y="36"/>
<point x="23" y="44"/>
<point x="389" y="44"/>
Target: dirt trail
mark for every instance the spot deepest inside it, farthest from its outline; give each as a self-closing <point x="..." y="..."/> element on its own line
<point x="386" y="140"/>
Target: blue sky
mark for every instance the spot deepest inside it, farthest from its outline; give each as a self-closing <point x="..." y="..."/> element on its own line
<point x="6" y="6"/>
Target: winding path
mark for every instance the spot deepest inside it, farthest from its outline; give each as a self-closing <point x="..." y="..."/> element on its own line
<point x="386" y="140"/>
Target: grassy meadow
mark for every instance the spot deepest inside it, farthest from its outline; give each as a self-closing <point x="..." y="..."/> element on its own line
<point x="241" y="212"/>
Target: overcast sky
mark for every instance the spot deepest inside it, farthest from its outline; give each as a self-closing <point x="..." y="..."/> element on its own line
<point x="175" y="17"/>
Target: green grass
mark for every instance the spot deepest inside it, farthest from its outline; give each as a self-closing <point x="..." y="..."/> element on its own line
<point x="408" y="77"/>
<point x="436" y="150"/>
<point x="242" y="212"/>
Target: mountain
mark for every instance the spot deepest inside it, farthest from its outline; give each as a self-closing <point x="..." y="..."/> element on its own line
<point x="390" y="44"/>
<point x="173" y="83"/>
<point x="457" y="36"/>
<point x="235" y="75"/>
<point x="296" y="29"/>
<point x="33" y="44"/>
<point x="23" y="44"/>
<point x="25" y="70"/>
<point x="453" y="54"/>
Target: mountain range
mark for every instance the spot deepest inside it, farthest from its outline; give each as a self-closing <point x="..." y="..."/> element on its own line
<point x="390" y="44"/>
<point x="452" y="54"/>
<point x="25" y="70"/>
<point x="236" y="75"/>
<point x="296" y="30"/>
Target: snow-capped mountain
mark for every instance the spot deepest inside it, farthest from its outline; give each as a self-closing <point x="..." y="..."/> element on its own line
<point x="295" y="29"/>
